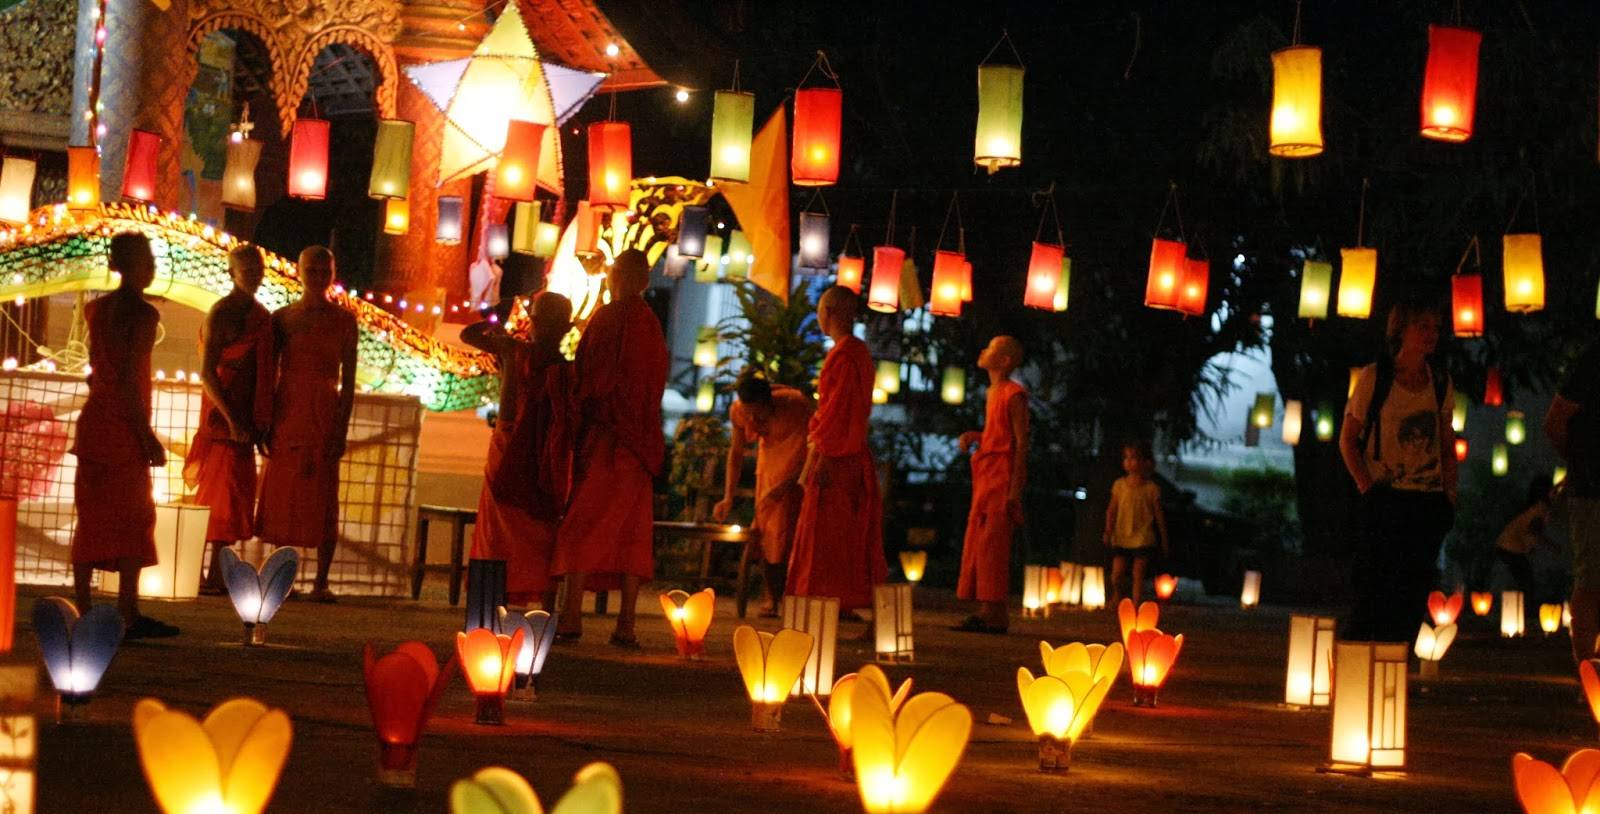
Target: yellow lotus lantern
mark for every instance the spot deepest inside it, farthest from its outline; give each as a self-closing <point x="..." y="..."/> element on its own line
<point x="913" y="564"/>
<point x="1549" y="618"/>
<point x="1310" y="659"/>
<point x="1444" y="609"/>
<point x="1369" y="707"/>
<point x="489" y="661"/>
<point x="1590" y="679"/>
<point x="1151" y="655"/>
<point x="904" y="755"/>
<point x="770" y="664"/>
<point x="226" y="764"/>
<point x="1059" y="709"/>
<point x="1513" y="614"/>
<point x="1432" y="642"/>
<point x="1541" y="789"/>
<point x="690" y="618"/>
<point x="1145" y="617"/>
<point x="1296" y="125"/>
<point x="596" y="789"/>
<point x="840" y="715"/>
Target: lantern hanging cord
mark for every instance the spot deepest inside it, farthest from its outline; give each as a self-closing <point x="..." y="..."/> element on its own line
<point x="612" y="116"/>
<point x="816" y="197"/>
<point x="1005" y="37"/>
<point x="1049" y="204"/>
<point x="1172" y="201"/>
<point x="1522" y="196"/>
<point x="953" y="208"/>
<point x="1472" y="249"/>
<point x="483" y="12"/>
<point x="1361" y="216"/>
<point x="851" y="238"/>
<point x="1296" y="36"/>
<point x="736" y="75"/>
<point x="827" y="70"/>
<point x="894" y="200"/>
<point x="1138" y="39"/>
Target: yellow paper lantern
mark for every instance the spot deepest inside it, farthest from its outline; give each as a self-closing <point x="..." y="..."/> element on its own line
<point x="239" y="173"/>
<point x="888" y="378"/>
<point x="1513" y="621"/>
<point x="229" y="763"/>
<point x="913" y="564"/>
<point x="1541" y="789"/>
<point x="1558" y="476"/>
<point x="1550" y="617"/>
<point x="891" y="622"/>
<point x="840" y="712"/>
<point x="596" y="789"/>
<point x="998" y="142"/>
<point x="1296" y="127"/>
<point x="1309" y="683"/>
<point x="953" y="386"/>
<point x="1432" y="642"/>
<point x="705" y="396"/>
<point x="396" y="216"/>
<point x="737" y="260"/>
<point x="1358" y="275"/>
<point x="705" y="347"/>
<point x="903" y="756"/>
<point x="1523" y="263"/>
<point x="391" y="160"/>
<point x="709" y="268"/>
<point x="16" y="189"/>
<point x="83" y="179"/>
<point x="1369" y="706"/>
<point x="488" y="660"/>
<point x="769" y="663"/>
<point x="1059" y="709"/>
<point x="1250" y="593"/>
<point x="546" y="237"/>
<point x="1500" y="461"/>
<point x="1071" y="583"/>
<point x="1263" y="410"/>
<point x="1516" y="427"/>
<point x="1316" y="281"/>
<point x="818" y="618"/>
<point x="690" y="618"/>
<point x="1293" y="416"/>
<point x="732" y="119"/>
<point x="524" y="226"/>
<point x="1036" y="589"/>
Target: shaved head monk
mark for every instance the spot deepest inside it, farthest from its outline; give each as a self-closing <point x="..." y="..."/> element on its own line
<point x="838" y="542"/>
<point x="116" y="528"/>
<point x="605" y="538"/>
<point x="999" y="472"/>
<point x="314" y="341"/>
<point x="236" y="377"/>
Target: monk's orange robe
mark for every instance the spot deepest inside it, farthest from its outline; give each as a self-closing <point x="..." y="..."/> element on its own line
<point x="838" y="542"/>
<point x="299" y="502"/>
<point x="221" y="471"/>
<point x="622" y="372"/>
<point x="112" y="486"/>
<point x="780" y="454"/>
<point x="527" y="478"/>
<point x="986" y="553"/>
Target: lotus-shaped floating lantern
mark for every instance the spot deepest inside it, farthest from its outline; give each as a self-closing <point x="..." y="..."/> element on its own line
<point x="538" y="633"/>
<point x="1098" y="660"/>
<point x="903" y="756"/>
<point x="488" y="660"/>
<point x="1151" y="654"/>
<point x="1166" y="585"/>
<point x="1059" y="710"/>
<point x="913" y="564"/>
<point x="1482" y="602"/>
<point x="596" y="789"/>
<point x="1549" y="618"/>
<point x="1572" y="790"/>
<point x="1590" y="679"/>
<point x="1131" y="619"/>
<point x="690" y="618"/>
<point x="402" y="689"/>
<point x="770" y="665"/>
<point x="1432" y="642"/>
<point x="76" y="649"/>
<point x="226" y="764"/>
<point x="257" y="595"/>
<point x="839" y="712"/>
<point x="1442" y="609"/>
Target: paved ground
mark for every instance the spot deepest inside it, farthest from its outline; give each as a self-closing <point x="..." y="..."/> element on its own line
<point x="678" y="732"/>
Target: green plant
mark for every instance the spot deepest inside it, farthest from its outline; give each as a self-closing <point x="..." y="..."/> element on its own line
<point x="1265" y="497"/>
<point x="698" y="449"/>
<point x="779" y="338"/>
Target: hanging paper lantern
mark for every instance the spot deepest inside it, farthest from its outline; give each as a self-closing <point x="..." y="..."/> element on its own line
<point x="1523" y="262"/>
<point x="998" y="142"/>
<point x="1194" y="287"/>
<point x="239" y="174"/>
<point x="953" y="387"/>
<point x="1325" y="422"/>
<point x="1466" y="304"/>
<point x="308" y="159"/>
<point x="1292" y="418"/>
<point x="1044" y="276"/>
<point x="610" y="163"/>
<point x="1262" y="411"/>
<point x="733" y="115"/>
<point x="705" y="347"/>
<point x="705" y="396"/>
<point x="450" y="216"/>
<point x="16" y="189"/>
<point x="884" y="295"/>
<point x="1063" y="286"/>
<point x="498" y="240"/>
<point x="736" y="263"/>
<point x="141" y="169"/>
<point x="391" y="160"/>
<point x="945" y="300"/>
<point x="524" y="226"/>
<point x="396" y="216"/>
<point x="1461" y="449"/>
<point x="516" y="176"/>
<point x="966" y="279"/>
<point x="710" y="266"/>
<point x="888" y="377"/>
<point x="817" y="116"/>
<point x="814" y="247"/>
<point x="1357" y="275"/>
<point x="1500" y="461"/>
<point x="546" y="237"/>
<point x="83" y="179"/>
<point x="1450" y="83"/>
<point x="1166" y="273"/>
<point x="1316" y="281"/>
<point x="1493" y="391"/>
<point x="851" y="270"/>
<point x="1458" y="412"/>
<point x="1296" y="128"/>
<point x="1516" y="427"/>
<point x="587" y="219"/>
<point x="693" y="224"/>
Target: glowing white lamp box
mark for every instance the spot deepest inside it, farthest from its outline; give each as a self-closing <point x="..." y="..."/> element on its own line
<point x="76" y="650"/>
<point x="1309" y="683"/>
<point x="180" y="548"/>
<point x="1513" y="614"/>
<point x="891" y="620"/>
<point x="1250" y="594"/>
<point x="1035" y="587"/>
<point x="1071" y="583"/>
<point x="257" y="595"/>
<point x="1369" y="706"/>
<point x="16" y="189"/>
<point x="1432" y="642"/>
<point x="1094" y="587"/>
<point x="818" y="618"/>
<point x="1293" y="417"/>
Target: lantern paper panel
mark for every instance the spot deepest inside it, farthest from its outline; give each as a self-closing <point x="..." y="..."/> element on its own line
<point x="674" y="267"/>
<point x="451" y="212"/>
<point x="1550" y="617"/>
<point x="610" y="164"/>
<point x="709" y="267"/>
<point x="1513" y="614"/>
<point x="739" y="257"/>
<point x="884" y="295"/>
<point x="770" y="663"/>
<point x="953" y="386"/>
<point x="1037" y="584"/>
<point x="1296" y="126"/>
<point x="733" y="116"/>
<point x="1500" y="461"/>
<point x="524" y="226"/>
<point x="141" y="167"/>
<point x="693" y="225"/>
<point x="19" y="737"/>
<point x="1316" y="283"/>
<point x="1063" y="288"/>
<point x="546" y="237"/>
<point x="888" y="376"/>
<point x="1094" y="587"/>
<point x="180" y="547"/>
<point x="705" y="347"/>
<point x="83" y="179"/>
<point x="397" y="216"/>
<point x="966" y="279"/>
<point x="1293" y="416"/>
<point x="1311" y="640"/>
<point x="1250" y="592"/>
<point x="998" y="141"/>
<point x="1450" y="83"/>
<point x="1358" y="275"/>
<point x="814" y="240"/>
<point x="587" y="226"/>
<point x="814" y="160"/>
<point x="1194" y="287"/>
<point x="891" y="620"/>
<point x="1044" y="276"/>
<point x="1369" y="705"/>
<point x="1071" y="583"/>
<point x="497" y="240"/>
<point x="16" y="189"/>
<point x="516" y="174"/>
<point x="239" y="174"/>
<point x="1263" y="410"/>
<point x="818" y="618"/>
<point x="486" y="594"/>
<point x="308" y="159"/>
<point x="391" y="160"/>
<point x="705" y="396"/>
<point x="945" y="295"/>
<point x="1166" y="273"/>
<point x="1522" y="259"/>
<point x="1466" y="304"/>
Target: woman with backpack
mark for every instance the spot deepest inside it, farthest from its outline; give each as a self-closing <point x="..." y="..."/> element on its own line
<point x="1398" y="445"/>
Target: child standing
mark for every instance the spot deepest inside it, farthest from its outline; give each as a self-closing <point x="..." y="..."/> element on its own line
<point x="1135" y="523"/>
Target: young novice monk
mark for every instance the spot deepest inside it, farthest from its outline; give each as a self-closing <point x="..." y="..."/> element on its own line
<point x="315" y="345"/>
<point x="999" y="472"/>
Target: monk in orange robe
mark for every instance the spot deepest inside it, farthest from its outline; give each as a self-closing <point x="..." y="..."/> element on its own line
<point x="314" y="341"/>
<point x="776" y="417"/>
<point x="115" y="446"/>
<point x="999" y="472"/>
<point x="838" y="541"/>
<point x="235" y="409"/>
<point x="606" y="536"/>
<point x="530" y="453"/>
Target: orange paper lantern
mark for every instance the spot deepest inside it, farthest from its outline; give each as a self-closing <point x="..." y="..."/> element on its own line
<point x="1044" y="276"/>
<point x="488" y="660"/>
<point x="1466" y="304"/>
<point x="690" y="618"/>
<point x="396" y="216"/>
<point x="610" y="163"/>
<point x="1493" y="392"/>
<point x="587" y="220"/>
<point x="1166" y="585"/>
<point x="815" y="158"/>
<point x="1167" y="269"/>
<point x="1450" y="83"/>
<point x="516" y="176"/>
<point x="308" y="159"/>
<point x="1461" y="449"/>
<point x="1151" y="654"/>
<point x="966" y="279"/>
<point x="403" y="687"/>
<point x="884" y="295"/>
<point x="1444" y="609"/>
<point x="1195" y="286"/>
<point x="948" y="284"/>
<point x="851" y="270"/>
<point x="1482" y="602"/>
<point x="83" y="179"/>
<point x="141" y="169"/>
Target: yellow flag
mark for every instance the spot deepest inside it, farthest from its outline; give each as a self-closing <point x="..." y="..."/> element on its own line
<point x="762" y="206"/>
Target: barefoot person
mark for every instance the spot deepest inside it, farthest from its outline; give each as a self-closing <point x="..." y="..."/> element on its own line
<point x="838" y="542"/>
<point x="115" y="445"/>
<point x="999" y="471"/>
<point x="235" y="409"/>
<point x="605" y="538"/>
<point x="315" y="346"/>
<point x="530" y="453"/>
<point x="775" y="416"/>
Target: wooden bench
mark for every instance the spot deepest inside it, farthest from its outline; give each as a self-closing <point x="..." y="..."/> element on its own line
<point x="709" y="535"/>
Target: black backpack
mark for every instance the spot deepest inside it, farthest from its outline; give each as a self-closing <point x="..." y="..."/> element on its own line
<point x="1380" y="393"/>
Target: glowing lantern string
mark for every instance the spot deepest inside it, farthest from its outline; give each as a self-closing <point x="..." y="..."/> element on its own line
<point x="391" y="160"/>
<point x="1450" y="83"/>
<point x="610" y="164"/>
<point x="516" y="175"/>
<point x="141" y="169"/>
<point x="83" y="179"/>
<point x="308" y="159"/>
<point x="1296" y="124"/>
<point x="998" y="140"/>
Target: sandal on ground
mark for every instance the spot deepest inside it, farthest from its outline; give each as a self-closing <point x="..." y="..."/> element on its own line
<point x="974" y="624"/>
<point x="625" y="642"/>
<point x="147" y="628"/>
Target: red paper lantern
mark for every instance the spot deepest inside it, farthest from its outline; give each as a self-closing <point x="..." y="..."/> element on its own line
<point x="815" y="158"/>
<point x="1168" y="269"/>
<point x="1493" y="392"/>
<point x="1044" y="276"/>
<point x="610" y="163"/>
<point x="587" y="222"/>
<point x="1450" y="83"/>
<point x="517" y="174"/>
<point x="141" y="170"/>
<point x="402" y="689"/>
<point x="1461" y="449"/>
<point x="851" y="270"/>
<point x="948" y="284"/>
<point x="966" y="279"/>
<point x="1466" y="304"/>
<point x="884" y="295"/>
<point x="1196" y="284"/>
<point x="308" y="159"/>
